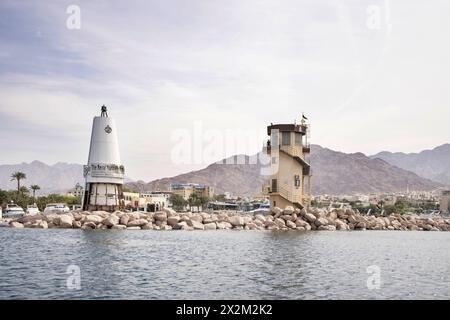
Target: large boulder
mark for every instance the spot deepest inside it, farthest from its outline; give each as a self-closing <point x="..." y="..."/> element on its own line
<point x="124" y="219"/>
<point x="89" y="225"/>
<point x="289" y="210"/>
<point x="169" y="211"/>
<point x="76" y="224"/>
<point x="260" y="217"/>
<point x="196" y="225"/>
<point x="137" y="223"/>
<point x="210" y="226"/>
<point x="65" y="221"/>
<point x="276" y="211"/>
<point x="291" y="224"/>
<point x="280" y="222"/>
<point x="173" y="220"/>
<point x="224" y="225"/>
<point x="288" y="217"/>
<point x="300" y="222"/>
<point x="236" y="221"/>
<point x="111" y="221"/>
<point x="147" y="226"/>
<point x="179" y="225"/>
<point x="321" y="222"/>
<point x="119" y="227"/>
<point x="15" y="224"/>
<point x="134" y="228"/>
<point x="94" y="218"/>
<point x="309" y="217"/>
<point x="327" y="228"/>
<point x="160" y="216"/>
<point x="42" y="224"/>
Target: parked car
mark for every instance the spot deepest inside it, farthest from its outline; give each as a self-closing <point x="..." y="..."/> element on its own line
<point x="56" y="208"/>
<point x="32" y="210"/>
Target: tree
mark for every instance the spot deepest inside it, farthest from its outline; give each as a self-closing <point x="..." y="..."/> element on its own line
<point x="18" y="176"/>
<point x="219" y="197"/>
<point x="196" y="200"/>
<point x="24" y="191"/>
<point x="178" y="202"/>
<point x="35" y="188"/>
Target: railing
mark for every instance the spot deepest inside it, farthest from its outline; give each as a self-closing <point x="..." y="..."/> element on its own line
<point x="285" y="193"/>
<point x="295" y="151"/>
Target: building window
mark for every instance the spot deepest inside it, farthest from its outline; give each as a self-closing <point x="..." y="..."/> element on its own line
<point x="274" y="185"/>
<point x="298" y="139"/>
<point x="297" y="181"/>
<point x="286" y="138"/>
<point x="274" y="203"/>
<point x="274" y="160"/>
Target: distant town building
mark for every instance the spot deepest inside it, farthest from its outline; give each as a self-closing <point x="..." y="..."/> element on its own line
<point x="186" y="189"/>
<point x="76" y="192"/>
<point x="445" y="201"/>
<point x="288" y="149"/>
<point x="131" y="200"/>
<point x="152" y="202"/>
<point x="147" y="201"/>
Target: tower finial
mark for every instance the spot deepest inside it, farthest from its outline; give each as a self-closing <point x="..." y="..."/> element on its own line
<point x="104" y="111"/>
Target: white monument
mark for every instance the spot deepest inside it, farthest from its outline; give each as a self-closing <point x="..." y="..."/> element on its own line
<point x="104" y="172"/>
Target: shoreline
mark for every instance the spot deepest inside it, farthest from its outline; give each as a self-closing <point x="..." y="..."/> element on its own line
<point x="278" y="219"/>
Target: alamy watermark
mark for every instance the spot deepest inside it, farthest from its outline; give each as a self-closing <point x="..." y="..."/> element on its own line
<point x="73" y="281"/>
<point x="374" y="280"/>
<point x="73" y="21"/>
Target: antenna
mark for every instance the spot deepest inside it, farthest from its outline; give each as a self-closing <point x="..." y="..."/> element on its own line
<point x="104" y="111"/>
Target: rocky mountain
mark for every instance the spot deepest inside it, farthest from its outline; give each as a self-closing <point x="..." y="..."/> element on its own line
<point x="432" y="164"/>
<point x="57" y="178"/>
<point x="333" y="173"/>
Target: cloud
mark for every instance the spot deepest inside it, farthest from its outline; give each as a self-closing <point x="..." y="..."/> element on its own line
<point x="162" y="66"/>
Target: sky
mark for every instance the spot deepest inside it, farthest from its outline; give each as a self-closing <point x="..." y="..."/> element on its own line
<point x="192" y="82"/>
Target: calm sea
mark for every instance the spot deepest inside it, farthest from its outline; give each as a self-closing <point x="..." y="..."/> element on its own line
<point x="74" y="264"/>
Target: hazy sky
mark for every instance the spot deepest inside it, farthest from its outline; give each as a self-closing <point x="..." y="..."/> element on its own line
<point x="370" y="76"/>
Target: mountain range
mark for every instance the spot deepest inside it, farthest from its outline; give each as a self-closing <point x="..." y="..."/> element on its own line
<point x="333" y="173"/>
<point x="57" y="178"/>
<point x="433" y="164"/>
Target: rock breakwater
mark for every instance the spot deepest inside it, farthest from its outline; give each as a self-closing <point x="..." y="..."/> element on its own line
<point x="278" y="219"/>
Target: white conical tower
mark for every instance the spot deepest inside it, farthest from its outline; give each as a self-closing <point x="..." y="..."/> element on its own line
<point x="104" y="172"/>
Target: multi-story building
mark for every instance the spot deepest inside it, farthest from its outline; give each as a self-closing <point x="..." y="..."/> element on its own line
<point x="186" y="189"/>
<point x="76" y="192"/>
<point x="289" y="150"/>
<point x="445" y="201"/>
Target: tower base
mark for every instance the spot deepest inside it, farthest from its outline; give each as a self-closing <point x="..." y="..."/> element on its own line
<point x="103" y="197"/>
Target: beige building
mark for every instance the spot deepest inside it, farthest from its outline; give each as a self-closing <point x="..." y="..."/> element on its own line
<point x="445" y="201"/>
<point x="290" y="171"/>
<point x="152" y="202"/>
<point x="131" y="200"/>
<point x="186" y="189"/>
<point x="76" y="192"/>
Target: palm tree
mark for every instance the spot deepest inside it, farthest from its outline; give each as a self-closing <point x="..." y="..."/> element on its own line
<point x="24" y="190"/>
<point x="35" y="188"/>
<point x="18" y="176"/>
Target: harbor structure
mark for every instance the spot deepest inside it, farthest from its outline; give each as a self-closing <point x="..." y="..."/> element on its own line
<point x="290" y="171"/>
<point x="104" y="173"/>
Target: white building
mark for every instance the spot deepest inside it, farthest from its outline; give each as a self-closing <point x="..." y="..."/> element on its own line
<point x="104" y="172"/>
